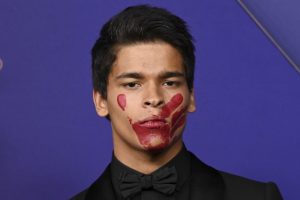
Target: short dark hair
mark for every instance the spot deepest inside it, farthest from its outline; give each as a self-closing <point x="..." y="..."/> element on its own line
<point x="140" y="24"/>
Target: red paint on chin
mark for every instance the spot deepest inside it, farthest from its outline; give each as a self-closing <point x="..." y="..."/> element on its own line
<point x="122" y="101"/>
<point x="153" y="138"/>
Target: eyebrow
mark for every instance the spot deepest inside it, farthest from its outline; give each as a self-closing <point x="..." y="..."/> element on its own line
<point x="134" y="75"/>
<point x="163" y="75"/>
<point x="171" y="74"/>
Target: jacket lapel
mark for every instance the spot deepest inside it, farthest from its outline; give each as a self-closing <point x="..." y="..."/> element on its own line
<point x="206" y="182"/>
<point x="102" y="188"/>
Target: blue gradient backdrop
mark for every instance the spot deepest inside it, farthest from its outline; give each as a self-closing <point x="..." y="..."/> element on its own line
<point x="52" y="143"/>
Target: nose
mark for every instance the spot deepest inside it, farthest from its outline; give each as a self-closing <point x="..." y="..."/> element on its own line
<point x="153" y="97"/>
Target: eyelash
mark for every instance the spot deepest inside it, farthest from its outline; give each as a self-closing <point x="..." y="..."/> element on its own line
<point x="173" y="83"/>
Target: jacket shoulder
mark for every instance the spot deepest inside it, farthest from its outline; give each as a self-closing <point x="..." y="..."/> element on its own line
<point x="100" y="189"/>
<point x="80" y="196"/>
<point x="240" y="187"/>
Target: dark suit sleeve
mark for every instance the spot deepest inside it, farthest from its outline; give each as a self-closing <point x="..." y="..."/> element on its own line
<point x="272" y="192"/>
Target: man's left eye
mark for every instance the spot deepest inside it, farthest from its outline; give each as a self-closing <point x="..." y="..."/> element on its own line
<point x="170" y="83"/>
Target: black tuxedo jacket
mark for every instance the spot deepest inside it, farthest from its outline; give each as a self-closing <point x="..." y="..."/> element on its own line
<point x="206" y="183"/>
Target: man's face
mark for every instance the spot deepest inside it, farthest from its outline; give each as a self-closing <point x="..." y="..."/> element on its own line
<point x="147" y="97"/>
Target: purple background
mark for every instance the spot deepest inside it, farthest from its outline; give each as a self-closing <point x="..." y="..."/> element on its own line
<point x="52" y="143"/>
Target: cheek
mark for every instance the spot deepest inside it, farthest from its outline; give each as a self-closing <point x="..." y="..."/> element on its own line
<point x="178" y="119"/>
<point x="121" y="99"/>
<point x="172" y="105"/>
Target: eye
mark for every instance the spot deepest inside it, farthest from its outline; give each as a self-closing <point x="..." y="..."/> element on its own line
<point x="131" y="85"/>
<point x="171" y="83"/>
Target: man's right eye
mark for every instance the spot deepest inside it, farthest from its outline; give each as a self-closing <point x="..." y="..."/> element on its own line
<point x="131" y="85"/>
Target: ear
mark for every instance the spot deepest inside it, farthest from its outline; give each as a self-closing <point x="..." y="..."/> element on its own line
<point x="100" y="104"/>
<point x="192" y="105"/>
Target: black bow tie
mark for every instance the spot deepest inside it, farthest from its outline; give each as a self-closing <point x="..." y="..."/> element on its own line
<point x="163" y="181"/>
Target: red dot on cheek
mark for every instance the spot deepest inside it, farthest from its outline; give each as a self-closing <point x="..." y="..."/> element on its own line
<point x="122" y="101"/>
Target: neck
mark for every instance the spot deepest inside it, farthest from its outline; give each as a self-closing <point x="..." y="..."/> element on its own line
<point x="144" y="161"/>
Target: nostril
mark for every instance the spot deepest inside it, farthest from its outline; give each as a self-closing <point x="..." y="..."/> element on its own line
<point x="147" y="103"/>
<point x="154" y="103"/>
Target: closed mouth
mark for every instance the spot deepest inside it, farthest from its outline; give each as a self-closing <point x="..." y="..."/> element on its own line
<point x="153" y="123"/>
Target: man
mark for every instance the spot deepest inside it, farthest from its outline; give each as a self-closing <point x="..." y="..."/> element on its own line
<point x="143" y="68"/>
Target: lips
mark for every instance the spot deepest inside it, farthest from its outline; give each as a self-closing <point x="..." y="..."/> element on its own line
<point x="153" y="133"/>
<point x="153" y="123"/>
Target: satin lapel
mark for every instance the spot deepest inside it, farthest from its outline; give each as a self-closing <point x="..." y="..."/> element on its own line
<point x="206" y="182"/>
<point x="102" y="188"/>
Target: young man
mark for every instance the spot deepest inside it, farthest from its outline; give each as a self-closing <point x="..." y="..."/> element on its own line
<point x="143" y="68"/>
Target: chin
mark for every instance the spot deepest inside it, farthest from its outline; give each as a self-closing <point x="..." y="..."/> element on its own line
<point x="158" y="144"/>
<point x="156" y="148"/>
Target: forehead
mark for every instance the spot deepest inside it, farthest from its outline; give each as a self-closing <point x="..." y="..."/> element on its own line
<point x="147" y="58"/>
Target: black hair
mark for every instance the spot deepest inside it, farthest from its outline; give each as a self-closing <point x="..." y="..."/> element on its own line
<point x="140" y="24"/>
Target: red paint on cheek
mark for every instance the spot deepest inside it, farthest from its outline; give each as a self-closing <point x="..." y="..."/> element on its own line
<point x="180" y="123"/>
<point x="167" y="109"/>
<point x="177" y="115"/>
<point x="178" y="119"/>
<point x="122" y="101"/>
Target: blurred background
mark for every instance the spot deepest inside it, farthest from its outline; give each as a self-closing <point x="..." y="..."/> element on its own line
<point x="52" y="143"/>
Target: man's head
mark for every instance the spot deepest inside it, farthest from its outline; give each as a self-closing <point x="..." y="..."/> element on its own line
<point x="143" y="67"/>
<point x="140" y="24"/>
